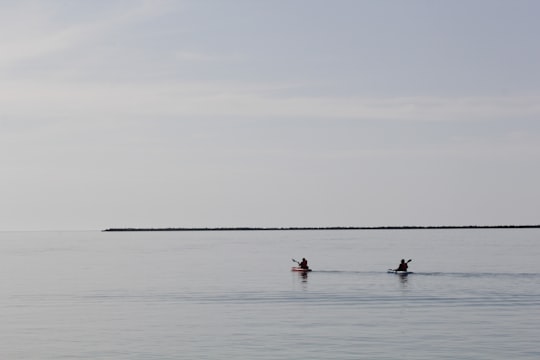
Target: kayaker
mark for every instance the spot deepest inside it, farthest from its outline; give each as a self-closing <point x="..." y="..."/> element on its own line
<point x="403" y="266"/>
<point x="303" y="264"/>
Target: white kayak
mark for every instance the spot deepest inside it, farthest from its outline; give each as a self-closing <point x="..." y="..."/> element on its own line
<point x="399" y="272"/>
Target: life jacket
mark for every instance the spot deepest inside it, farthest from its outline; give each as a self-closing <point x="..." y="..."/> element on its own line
<point x="403" y="267"/>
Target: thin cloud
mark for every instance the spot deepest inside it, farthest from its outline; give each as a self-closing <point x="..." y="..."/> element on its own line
<point x="32" y="100"/>
<point x="31" y="30"/>
<point x="189" y="56"/>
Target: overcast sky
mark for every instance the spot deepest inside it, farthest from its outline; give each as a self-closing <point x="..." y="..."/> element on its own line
<point x="268" y="113"/>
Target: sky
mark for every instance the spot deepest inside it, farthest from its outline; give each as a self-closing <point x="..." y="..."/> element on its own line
<point x="225" y="113"/>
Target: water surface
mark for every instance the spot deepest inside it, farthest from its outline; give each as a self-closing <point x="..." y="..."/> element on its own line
<point x="475" y="294"/>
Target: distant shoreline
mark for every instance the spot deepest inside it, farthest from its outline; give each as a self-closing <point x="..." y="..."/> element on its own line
<point x="329" y="228"/>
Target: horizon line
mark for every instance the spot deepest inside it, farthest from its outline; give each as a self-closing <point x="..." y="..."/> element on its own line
<point x="248" y="228"/>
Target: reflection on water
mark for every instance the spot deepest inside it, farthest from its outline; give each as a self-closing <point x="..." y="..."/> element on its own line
<point x="403" y="279"/>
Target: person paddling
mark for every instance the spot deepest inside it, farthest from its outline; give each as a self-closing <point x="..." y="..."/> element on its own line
<point x="403" y="266"/>
<point x="303" y="264"/>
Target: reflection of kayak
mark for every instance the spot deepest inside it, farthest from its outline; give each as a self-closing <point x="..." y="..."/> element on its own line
<point x="400" y="272"/>
<point x="299" y="269"/>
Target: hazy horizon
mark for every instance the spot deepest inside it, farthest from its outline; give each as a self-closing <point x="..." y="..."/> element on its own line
<point x="261" y="114"/>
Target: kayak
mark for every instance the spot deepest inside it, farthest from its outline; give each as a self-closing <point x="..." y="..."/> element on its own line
<point x="400" y="272"/>
<point x="299" y="269"/>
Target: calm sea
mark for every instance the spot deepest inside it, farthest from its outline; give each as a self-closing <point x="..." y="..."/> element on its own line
<point x="475" y="294"/>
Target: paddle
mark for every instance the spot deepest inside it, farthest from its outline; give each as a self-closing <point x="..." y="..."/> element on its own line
<point x="298" y="262"/>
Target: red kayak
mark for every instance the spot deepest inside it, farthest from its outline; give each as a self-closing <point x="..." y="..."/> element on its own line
<point x="299" y="269"/>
